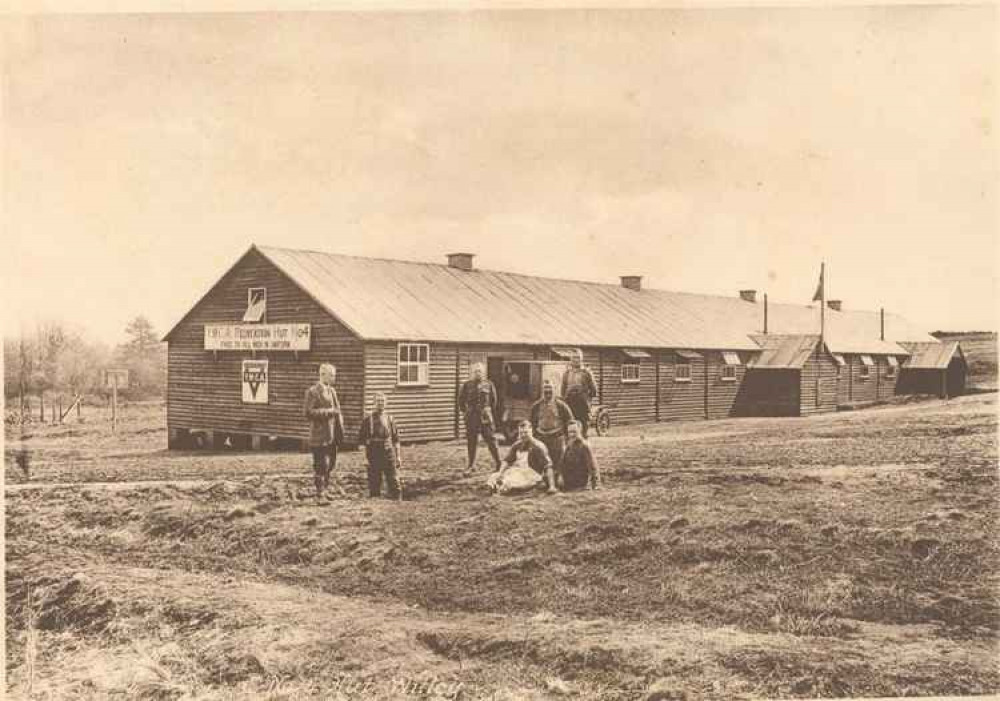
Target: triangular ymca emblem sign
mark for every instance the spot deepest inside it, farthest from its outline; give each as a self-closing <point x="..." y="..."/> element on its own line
<point x="255" y="381"/>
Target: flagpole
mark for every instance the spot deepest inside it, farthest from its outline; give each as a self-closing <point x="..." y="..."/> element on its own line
<point x="822" y="303"/>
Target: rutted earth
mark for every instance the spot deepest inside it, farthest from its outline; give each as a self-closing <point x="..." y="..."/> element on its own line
<point x="843" y="555"/>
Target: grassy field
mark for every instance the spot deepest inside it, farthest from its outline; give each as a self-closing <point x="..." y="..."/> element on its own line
<point x="842" y="555"/>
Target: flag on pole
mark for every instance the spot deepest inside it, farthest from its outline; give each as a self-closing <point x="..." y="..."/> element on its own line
<point x="820" y="292"/>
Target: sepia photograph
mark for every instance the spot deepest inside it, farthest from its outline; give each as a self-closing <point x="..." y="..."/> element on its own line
<point x="492" y="351"/>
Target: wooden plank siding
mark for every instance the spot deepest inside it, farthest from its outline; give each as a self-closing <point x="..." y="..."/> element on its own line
<point x="631" y="403"/>
<point x="422" y="413"/>
<point x="844" y="382"/>
<point x="769" y="392"/>
<point x="886" y="384"/>
<point x="720" y="394"/>
<point x="431" y="412"/>
<point x="204" y="388"/>
<point x="860" y="390"/>
<point x="921" y="381"/>
<point x="818" y="383"/>
<point x="679" y="400"/>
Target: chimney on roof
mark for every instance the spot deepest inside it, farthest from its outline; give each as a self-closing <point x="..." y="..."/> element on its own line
<point x="462" y="261"/>
<point x="632" y="282"/>
<point x="834" y="304"/>
<point x="749" y="295"/>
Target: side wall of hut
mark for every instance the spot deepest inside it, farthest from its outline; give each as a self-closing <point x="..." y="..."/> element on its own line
<point x="632" y="402"/>
<point x="861" y="389"/>
<point x="720" y="392"/>
<point x="888" y="377"/>
<point x="681" y="400"/>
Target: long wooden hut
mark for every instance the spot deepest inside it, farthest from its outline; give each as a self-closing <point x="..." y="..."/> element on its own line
<point x="241" y="359"/>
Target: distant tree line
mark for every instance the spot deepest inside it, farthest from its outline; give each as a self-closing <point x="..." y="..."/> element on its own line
<point x="58" y="362"/>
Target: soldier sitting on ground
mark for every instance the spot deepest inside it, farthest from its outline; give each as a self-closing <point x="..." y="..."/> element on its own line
<point x="527" y="451"/>
<point x="578" y="468"/>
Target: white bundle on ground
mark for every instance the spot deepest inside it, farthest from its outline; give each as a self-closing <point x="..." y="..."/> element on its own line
<point x="513" y="480"/>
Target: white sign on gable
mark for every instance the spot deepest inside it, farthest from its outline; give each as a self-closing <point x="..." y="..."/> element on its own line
<point x="254" y="382"/>
<point x="257" y="337"/>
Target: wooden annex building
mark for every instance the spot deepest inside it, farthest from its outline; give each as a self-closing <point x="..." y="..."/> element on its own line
<point x="241" y="359"/>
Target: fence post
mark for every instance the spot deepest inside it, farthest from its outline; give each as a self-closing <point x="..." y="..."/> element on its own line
<point x="114" y="404"/>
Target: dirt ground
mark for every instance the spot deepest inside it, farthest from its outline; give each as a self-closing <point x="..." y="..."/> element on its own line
<point x="851" y="554"/>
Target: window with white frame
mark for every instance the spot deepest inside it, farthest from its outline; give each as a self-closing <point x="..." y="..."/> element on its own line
<point x="256" y="304"/>
<point x="730" y="362"/>
<point x="413" y="364"/>
<point x="682" y="371"/>
<point x="890" y="372"/>
<point x="630" y="373"/>
<point x="865" y="371"/>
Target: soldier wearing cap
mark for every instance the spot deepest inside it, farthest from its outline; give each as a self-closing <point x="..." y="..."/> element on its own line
<point x="579" y="389"/>
<point x="381" y="441"/>
<point x="550" y="417"/>
<point x="477" y="400"/>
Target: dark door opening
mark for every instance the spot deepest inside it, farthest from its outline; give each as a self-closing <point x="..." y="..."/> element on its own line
<point x="494" y="373"/>
<point x="956" y="378"/>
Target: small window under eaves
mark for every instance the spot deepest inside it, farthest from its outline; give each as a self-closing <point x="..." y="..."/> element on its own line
<point x="730" y="358"/>
<point x="256" y="304"/>
<point x="566" y="353"/>
<point x="867" y="360"/>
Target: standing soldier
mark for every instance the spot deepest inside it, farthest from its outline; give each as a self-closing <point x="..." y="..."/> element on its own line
<point x="477" y="401"/>
<point x="550" y="419"/>
<point x="381" y="441"/>
<point x="326" y="428"/>
<point x="579" y="388"/>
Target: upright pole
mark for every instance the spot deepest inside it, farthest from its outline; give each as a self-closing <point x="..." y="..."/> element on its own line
<point x="114" y="402"/>
<point x="765" y="313"/>
<point x="822" y="304"/>
<point x="882" y="322"/>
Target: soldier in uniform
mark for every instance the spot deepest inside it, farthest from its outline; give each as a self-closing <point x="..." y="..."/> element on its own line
<point x="477" y="400"/>
<point x="326" y="428"/>
<point x="550" y="417"/>
<point x="579" y="388"/>
<point x="578" y="468"/>
<point x="531" y="452"/>
<point x="381" y="441"/>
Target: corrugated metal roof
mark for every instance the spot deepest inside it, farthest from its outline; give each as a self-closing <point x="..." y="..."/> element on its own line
<point x="391" y="299"/>
<point x="783" y="352"/>
<point x="930" y="356"/>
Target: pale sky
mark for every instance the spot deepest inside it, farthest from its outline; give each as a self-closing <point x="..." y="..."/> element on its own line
<point x="707" y="149"/>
